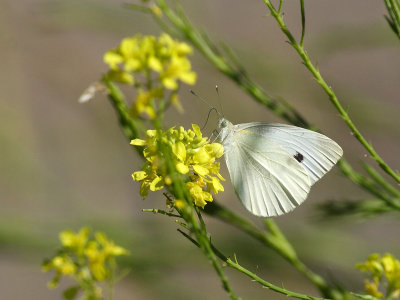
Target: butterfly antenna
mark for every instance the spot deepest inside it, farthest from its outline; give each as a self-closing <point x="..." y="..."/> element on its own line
<point x="219" y="100"/>
<point x="208" y="116"/>
<point x="212" y="107"/>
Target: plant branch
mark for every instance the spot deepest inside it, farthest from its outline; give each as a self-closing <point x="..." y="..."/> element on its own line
<point x="117" y="99"/>
<point x="275" y="240"/>
<point x="329" y="91"/>
<point x="230" y="68"/>
<point x="160" y="211"/>
<point x="235" y="265"/>
<point x="393" y="8"/>
<point x="303" y="22"/>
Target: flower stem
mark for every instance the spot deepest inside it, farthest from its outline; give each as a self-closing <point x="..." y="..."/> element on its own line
<point x="274" y="239"/>
<point x="329" y="91"/>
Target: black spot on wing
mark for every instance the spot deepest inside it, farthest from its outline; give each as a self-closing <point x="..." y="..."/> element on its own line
<point x="299" y="157"/>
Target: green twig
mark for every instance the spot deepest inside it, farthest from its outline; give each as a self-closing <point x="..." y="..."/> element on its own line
<point x="329" y="91"/>
<point x="160" y="211"/>
<point x="118" y="101"/>
<point x="368" y="184"/>
<point x="393" y="19"/>
<point x="364" y="208"/>
<point x="178" y="187"/>
<point x="303" y="22"/>
<point x="235" y="72"/>
<point x="179" y="190"/>
<point x="252" y="275"/>
<point x="276" y="241"/>
<point x="380" y="180"/>
<point x="268" y="285"/>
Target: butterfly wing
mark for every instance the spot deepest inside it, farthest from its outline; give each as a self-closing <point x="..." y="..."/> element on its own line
<point x="316" y="152"/>
<point x="268" y="180"/>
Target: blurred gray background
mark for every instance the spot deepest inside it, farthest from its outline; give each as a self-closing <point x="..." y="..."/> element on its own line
<point x="66" y="165"/>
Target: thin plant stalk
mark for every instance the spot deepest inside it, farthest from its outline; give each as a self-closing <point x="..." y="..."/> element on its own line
<point x="329" y="91"/>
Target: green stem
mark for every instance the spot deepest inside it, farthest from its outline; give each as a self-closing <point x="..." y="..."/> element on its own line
<point x="237" y="73"/>
<point x="160" y="211"/>
<point x="369" y="185"/>
<point x="238" y="267"/>
<point x="117" y="100"/>
<point x="179" y="190"/>
<point x="276" y="241"/>
<point x="393" y="8"/>
<point x="266" y="284"/>
<point x="303" y="22"/>
<point x="329" y="91"/>
<point x="379" y="179"/>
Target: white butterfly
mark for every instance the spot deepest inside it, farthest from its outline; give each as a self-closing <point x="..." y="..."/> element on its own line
<point x="273" y="166"/>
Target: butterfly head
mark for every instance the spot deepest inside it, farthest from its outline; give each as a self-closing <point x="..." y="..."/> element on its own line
<point x="222" y="123"/>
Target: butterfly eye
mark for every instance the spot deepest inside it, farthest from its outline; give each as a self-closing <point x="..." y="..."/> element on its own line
<point x="223" y="123"/>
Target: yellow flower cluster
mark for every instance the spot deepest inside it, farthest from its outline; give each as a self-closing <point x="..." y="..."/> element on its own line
<point x="193" y="156"/>
<point x="380" y="269"/>
<point x="83" y="258"/>
<point x="152" y="64"/>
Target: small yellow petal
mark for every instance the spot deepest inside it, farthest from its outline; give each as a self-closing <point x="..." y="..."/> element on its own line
<point x="200" y="202"/>
<point x="201" y="156"/>
<point x="150" y="112"/>
<point x="197" y="130"/>
<point x="183" y="49"/>
<point x="155" y="64"/>
<point x="151" y="133"/>
<point x="144" y="189"/>
<point x="140" y="175"/>
<point x="133" y="64"/>
<point x="216" y="148"/>
<point x="182" y="168"/>
<point x="138" y="142"/>
<point x="112" y="58"/>
<point x="179" y="150"/>
<point x="170" y="83"/>
<point x="156" y="184"/>
<point x="202" y="171"/>
<point x="215" y="185"/>
<point x="127" y="45"/>
<point x="188" y="77"/>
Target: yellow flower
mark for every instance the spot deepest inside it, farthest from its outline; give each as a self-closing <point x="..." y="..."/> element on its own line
<point x="215" y="186"/>
<point x="382" y="269"/>
<point x="75" y="241"/>
<point x="64" y="265"/>
<point x="178" y="69"/>
<point x="193" y="156"/>
<point x="84" y="259"/>
<point x="154" y="65"/>
<point x="165" y="56"/>
<point x="199" y="196"/>
<point x="371" y="288"/>
<point x="113" y="59"/>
